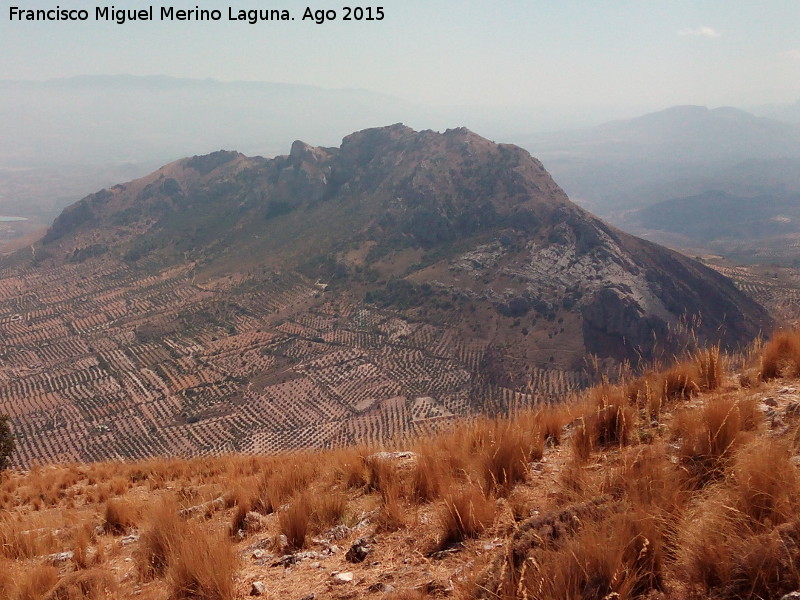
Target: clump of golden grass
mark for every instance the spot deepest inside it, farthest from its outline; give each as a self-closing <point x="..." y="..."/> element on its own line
<point x="201" y="566"/>
<point x="34" y="583"/>
<point x="780" y="356"/>
<point x="18" y="541"/>
<point x="764" y="484"/>
<point x="282" y="480"/>
<point x="741" y="539"/>
<point x="392" y="512"/>
<point x="161" y="534"/>
<point x="709" y="435"/>
<point x="647" y="479"/>
<point x="328" y="510"/>
<point x="607" y="421"/>
<point x="92" y="584"/>
<point x="428" y="477"/>
<point x="381" y="473"/>
<point x="294" y="521"/>
<point x="504" y="449"/>
<point x="119" y="516"/>
<point x="709" y="363"/>
<point x="466" y="512"/>
<point x="347" y="469"/>
<point x="80" y="547"/>
<point x="239" y="518"/>
<point x="616" y="557"/>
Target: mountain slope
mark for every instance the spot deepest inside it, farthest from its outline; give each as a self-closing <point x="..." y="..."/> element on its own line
<point x="374" y="290"/>
<point x="477" y="218"/>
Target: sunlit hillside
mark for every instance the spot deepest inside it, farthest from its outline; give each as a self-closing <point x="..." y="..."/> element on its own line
<point x="681" y="482"/>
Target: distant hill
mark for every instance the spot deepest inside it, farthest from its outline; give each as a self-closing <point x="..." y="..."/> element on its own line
<point x="628" y="164"/>
<point x="683" y="157"/>
<point x="392" y="206"/>
<point x="375" y="289"/>
<point x="63" y="138"/>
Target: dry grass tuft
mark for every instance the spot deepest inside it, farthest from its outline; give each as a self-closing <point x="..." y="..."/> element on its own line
<point x="503" y="449"/>
<point x="709" y="363"/>
<point x="161" y="535"/>
<point x="780" y="356"/>
<point x="328" y="509"/>
<point x="466" y="513"/>
<point x="93" y="584"/>
<point x="607" y="421"/>
<point x="282" y="480"/>
<point x="34" y="583"/>
<point x="619" y="557"/>
<point x="295" y="520"/>
<point x="708" y="436"/>
<point x="428" y="476"/>
<point x="119" y="516"/>
<point x="201" y="566"/>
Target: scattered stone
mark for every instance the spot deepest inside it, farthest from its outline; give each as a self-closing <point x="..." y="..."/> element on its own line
<point x="257" y="589"/>
<point x="315" y="565"/>
<point x="59" y="557"/>
<point x="210" y="506"/>
<point x="358" y="551"/>
<point x="791" y="596"/>
<point x="311" y="596"/>
<point x="379" y="586"/>
<point x="401" y="455"/>
<point x="445" y="553"/>
<point x="795" y="460"/>
<point x="128" y="539"/>
<point x="342" y="578"/>
<point x="792" y="409"/>
<point x="787" y="390"/>
<point x="259" y="553"/>
<point x="287" y="560"/>
<point x="332" y="549"/>
<point x="769" y="401"/>
<point x="338" y="533"/>
<point x="254" y="522"/>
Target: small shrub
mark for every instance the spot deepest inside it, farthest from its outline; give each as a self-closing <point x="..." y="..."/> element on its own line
<point x="158" y="539"/>
<point x="119" y="516"/>
<point x="93" y="584"/>
<point x="295" y="520"/>
<point x="36" y="582"/>
<point x="201" y="566"/>
<point x="465" y="514"/>
<point x="780" y="356"/>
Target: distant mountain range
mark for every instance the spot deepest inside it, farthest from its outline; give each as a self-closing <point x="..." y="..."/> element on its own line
<point x="64" y="137"/>
<point x="683" y="157"/>
<point x="394" y="207"/>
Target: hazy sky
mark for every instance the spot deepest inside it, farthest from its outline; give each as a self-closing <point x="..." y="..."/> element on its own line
<point x="556" y="53"/>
